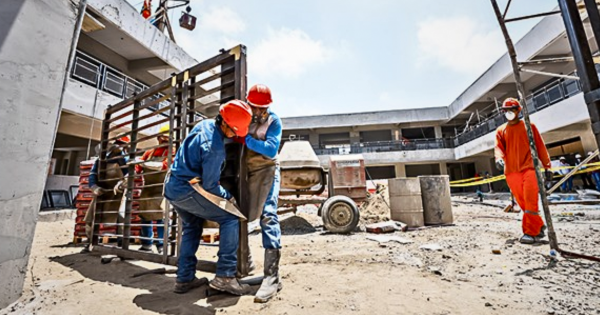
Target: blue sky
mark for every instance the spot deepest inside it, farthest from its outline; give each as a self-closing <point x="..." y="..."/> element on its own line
<point x="339" y="56"/>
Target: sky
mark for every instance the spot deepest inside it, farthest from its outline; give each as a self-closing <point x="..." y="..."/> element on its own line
<point x="340" y="56"/>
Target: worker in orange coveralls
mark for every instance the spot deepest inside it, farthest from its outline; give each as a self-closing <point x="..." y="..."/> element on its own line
<point x="513" y="157"/>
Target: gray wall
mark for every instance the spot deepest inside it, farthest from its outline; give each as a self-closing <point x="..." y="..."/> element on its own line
<point x="33" y="57"/>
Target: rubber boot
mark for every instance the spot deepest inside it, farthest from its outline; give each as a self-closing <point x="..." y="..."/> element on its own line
<point x="271" y="283"/>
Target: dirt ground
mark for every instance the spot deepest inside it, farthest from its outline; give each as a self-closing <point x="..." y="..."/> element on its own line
<point x="346" y="274"/>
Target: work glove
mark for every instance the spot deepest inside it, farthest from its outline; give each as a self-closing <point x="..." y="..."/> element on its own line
<point x="97" y="190"/>
<point x="548" y="175"/>
<point x="500" y="165"/>
<point x="120" y="187"/>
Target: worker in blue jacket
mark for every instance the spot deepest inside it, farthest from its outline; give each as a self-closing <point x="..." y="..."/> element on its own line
<point x="192" y="186"/>
<point x="112" y="187"/>
<point x="263" y="141"/>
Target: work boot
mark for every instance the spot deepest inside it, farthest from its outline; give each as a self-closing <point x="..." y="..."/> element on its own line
<point x="146" y="247"/>
<point x="159" y="248"/>
<point x="86" y="249"/>
<point x="527" y="239"/>
<point x="542" y="232"/>
<point x="230" y="285"/>
<point x="183" y="287"/>
<point x="271" y="283"/>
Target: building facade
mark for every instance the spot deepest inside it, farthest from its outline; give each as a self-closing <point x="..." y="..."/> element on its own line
<point x="458" y="139"/>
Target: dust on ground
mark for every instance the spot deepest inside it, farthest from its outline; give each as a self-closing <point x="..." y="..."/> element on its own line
<point x="346" y="274"/>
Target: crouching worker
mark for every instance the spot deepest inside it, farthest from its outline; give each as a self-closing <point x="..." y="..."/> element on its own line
<point x="193" y="188"/>
<point x="513" y="157"/>
<point x="111" y="188"/>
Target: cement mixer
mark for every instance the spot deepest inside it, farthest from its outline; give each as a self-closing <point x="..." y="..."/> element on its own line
<point x="303" y="181"/>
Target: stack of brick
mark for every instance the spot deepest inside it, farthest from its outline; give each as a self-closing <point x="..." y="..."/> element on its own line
<point x="85" y="196"/>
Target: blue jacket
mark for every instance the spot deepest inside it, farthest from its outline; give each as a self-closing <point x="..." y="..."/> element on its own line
<point x="93" y="179"/>
<point x="270" y="146"/>
<point x="201" y="154"/>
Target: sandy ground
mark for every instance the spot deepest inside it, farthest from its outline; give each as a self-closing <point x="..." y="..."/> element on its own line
<point x="346" y="274"/>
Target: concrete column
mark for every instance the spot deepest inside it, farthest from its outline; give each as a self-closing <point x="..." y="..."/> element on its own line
<point x="354" y="137"/>
<point x="443" y="168"/>
<point x="588" y="140"/>
<point x="438" y="131"/>
<point x="33" y="58"/>
<point x="400" y="170"/>
<point x="397" y="134"/>
<point x="313" y="138"/>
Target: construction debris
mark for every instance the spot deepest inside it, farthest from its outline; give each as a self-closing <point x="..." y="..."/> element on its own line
<point x="386" y="239"/>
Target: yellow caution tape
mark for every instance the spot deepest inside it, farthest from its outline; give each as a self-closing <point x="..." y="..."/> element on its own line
<point x="476" y="182"/>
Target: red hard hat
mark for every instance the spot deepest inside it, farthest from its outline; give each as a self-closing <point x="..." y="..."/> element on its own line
<point x="511" y="103"/>
<point x="124" y="139"/>
<point x="237" y="115"/>
<point x="259" y="95"/>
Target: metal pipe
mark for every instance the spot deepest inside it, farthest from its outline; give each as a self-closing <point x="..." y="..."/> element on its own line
<point x="556" y="75"/>
<point x="532" y="16"/>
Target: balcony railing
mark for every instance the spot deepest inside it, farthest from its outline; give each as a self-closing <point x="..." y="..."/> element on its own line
<point x="93" y="72"/>
<point x="542" y="98"/>
<point x="388" y="146"/>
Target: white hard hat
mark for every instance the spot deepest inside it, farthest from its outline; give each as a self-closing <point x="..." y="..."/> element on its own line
<point x="590" y="153"/>
<point x="562" y="158"/>
<point x="578" y="156"/>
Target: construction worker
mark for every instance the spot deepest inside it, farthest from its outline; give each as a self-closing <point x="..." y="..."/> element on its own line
<point x="513" y="157"/>
<point x="111" y="188"/>
<point x="585" y="177"/>
<point x="595" y="174"/>
<point x="263" y="141"/>
<point x="149" y="206"/>
<point x="567" y="186"/>
<point x="192" y="186"/>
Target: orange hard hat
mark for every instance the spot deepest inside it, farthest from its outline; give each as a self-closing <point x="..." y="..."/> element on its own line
<point x="237" y="115"/>
<point x="123" y="139"/>
<point x="259" y="95"/>
<point x="511" y="103"/>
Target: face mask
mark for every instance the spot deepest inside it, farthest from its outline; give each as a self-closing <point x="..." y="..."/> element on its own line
<point x="261" y="118"/>
<point x="510" y="115"/>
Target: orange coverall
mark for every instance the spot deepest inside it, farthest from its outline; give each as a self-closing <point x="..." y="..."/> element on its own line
<point x="512" y="145"/>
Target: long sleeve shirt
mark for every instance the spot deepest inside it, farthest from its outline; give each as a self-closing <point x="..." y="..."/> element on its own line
<point x="93" y="179"/>
<point x="270" y="146"/>
<point x="201" y="154"/>
<point x="149" y="154"/>
<point x="512" y="145"/>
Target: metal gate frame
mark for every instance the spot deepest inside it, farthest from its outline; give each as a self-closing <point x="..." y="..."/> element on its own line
<point x="182" y="101"/>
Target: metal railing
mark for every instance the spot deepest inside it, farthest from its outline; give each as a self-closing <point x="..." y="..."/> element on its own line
<point x="388" y="146"/>
<point x="542" y="98"/>
<point x="93" y="72"/>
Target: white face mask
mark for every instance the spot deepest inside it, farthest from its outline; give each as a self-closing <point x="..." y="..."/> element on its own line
<point x="510" y="115"/>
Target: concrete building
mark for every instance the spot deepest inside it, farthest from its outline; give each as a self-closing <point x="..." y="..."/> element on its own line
<point x="62" y="62"/>
<point x="458" y="139"/>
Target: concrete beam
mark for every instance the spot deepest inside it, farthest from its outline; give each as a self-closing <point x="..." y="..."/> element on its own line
<point x="147" y="64"/>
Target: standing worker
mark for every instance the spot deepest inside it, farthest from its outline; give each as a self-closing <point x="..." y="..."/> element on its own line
<point x="193" y="188"/>
<point x="263" y="140"/>
<point x="149" y="206"/>
<point x="513" y="157"/>
<point x="567" y="186"/>
<point x="111" y="188"/>
<point x="585" y="176"/>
